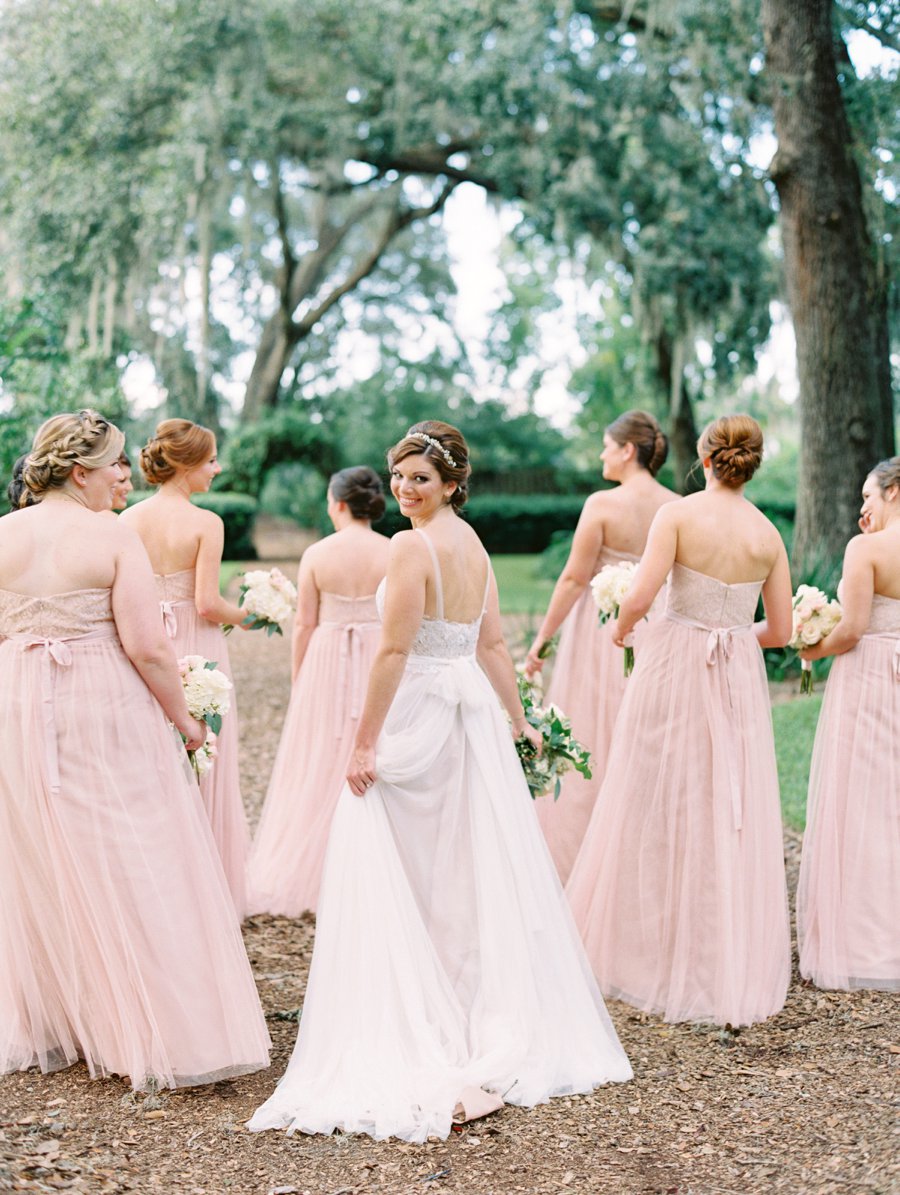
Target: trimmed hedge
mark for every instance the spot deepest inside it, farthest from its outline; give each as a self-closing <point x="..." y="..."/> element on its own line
<point x="237" y="512"/>
<point x="508" y="523"/>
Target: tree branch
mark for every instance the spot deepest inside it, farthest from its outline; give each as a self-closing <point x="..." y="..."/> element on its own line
<point x="881" y="35"/>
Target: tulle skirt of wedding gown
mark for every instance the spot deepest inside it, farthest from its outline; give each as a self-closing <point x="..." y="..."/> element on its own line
<point x="118" y="939"/>
<point x="848" y="897"/>
<point x="445" y="953"/>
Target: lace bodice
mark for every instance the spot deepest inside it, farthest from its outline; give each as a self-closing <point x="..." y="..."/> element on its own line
<point x="439" y="638"/>
<point x="60" y="616"/>
<point x="337" y="608"/>
<point x="709" y="602"/>
<point x="885" y="616"/>
<point x="175" y="587"/>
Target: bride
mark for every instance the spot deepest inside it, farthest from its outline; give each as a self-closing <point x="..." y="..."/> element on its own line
<point x="447" y="975"/>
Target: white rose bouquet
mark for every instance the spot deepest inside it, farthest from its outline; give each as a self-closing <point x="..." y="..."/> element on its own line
<point x="269" y="598"/>
<point x="561" y="751"/>
<point x="208" y="695"/>
<point x="608" y="589"/>
<point x="815" y="616"/>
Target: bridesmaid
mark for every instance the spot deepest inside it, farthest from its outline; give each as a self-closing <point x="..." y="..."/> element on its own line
<point x="184" y="544"/>
<point x="588" y="682"/>
<point x="848" y="899"/>
<point x="679" y="887"/>
<point x="118" y="940"/>
<point x="125" y="486"/>
<point x="335" y="638"/>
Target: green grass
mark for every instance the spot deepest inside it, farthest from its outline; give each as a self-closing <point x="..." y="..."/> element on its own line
<point x="795" y="730"/>
<point x="522" y="590"/>
<point x="228" y="570"/>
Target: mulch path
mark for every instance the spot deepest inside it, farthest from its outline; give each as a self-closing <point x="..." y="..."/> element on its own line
<point x="807" y="1102"/>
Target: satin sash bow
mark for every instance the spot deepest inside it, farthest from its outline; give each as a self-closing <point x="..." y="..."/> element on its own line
<point x="353" y="672"/>
<point x="720" y="646"/>
<point x="168" y="612"/>
<point x="55" y="652"/>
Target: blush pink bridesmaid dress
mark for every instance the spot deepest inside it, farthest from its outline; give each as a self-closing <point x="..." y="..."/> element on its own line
<point x="285" y="867"/>
<point x="220" y="788"/>
<point x="588" y="684"/>
<point x="848" y="898"/>
<point x="679" y="888"/>
<point x="119" y="943"/>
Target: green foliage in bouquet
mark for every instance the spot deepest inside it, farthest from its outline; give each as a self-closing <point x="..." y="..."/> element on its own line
<point x="561" y="750"/>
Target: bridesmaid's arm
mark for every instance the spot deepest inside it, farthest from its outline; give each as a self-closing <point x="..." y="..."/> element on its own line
<point x="776" y="628"/>
<point x="574" y="578"/>
<point x="656" y="563"/>
<point x="136" y="614"/>
<point x="307" y="617"/>
<point x="207" y="598"/>
<point x="404" y="608"/>
<point x="857" y="590"/>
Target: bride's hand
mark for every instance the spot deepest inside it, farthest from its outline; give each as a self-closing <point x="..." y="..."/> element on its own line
<point x="361" y="773"/>
<point x="524" y="730"/>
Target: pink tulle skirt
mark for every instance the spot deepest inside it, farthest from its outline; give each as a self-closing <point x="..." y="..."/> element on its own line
<point x="848" y="898"/>
<point x="285" y="868"/>
<point x="118" y="938"/>
<point x="679" y="888"/>
<point x="220" y="788"/>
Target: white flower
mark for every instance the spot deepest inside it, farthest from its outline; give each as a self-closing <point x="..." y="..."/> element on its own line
<point x="814" y="617"/>
<point x="206" y="690"/>
<point x="609" y="587"/>
<point x="268" y="597"/>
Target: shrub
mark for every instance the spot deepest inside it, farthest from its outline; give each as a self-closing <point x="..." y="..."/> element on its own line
<point x="509" y="523"/>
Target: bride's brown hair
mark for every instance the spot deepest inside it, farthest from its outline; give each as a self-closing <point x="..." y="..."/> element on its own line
<point x="446" y="449"/>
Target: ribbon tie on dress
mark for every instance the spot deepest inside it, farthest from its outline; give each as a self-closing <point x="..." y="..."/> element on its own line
<point x="352" y="679"/>
<point x="720" y="646"/>
<point x="56" y="651"/>
<point x="169" y="620"/>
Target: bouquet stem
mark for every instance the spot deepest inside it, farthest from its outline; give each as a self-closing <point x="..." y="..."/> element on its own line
<point x="806" y="677"/>
<point x="629" y="660"/>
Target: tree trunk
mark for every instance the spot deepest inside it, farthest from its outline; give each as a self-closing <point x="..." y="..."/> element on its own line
<point x="682" y="428"/>
<point x="832" y="284"/>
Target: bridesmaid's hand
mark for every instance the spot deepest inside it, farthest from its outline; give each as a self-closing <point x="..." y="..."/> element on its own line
<point x="533" y="661"/>
<point x="194" y="733"/>
<point x="865" y="523"/>
<point x="361" y="773"/>
<point x="617" y="636"/>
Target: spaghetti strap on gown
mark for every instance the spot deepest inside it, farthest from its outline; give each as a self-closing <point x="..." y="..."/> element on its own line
<point x="679" y="888"/>
<point x="220" y="788"/>
<point x="445" y="955"/>
<point x="588" y="684"/>
<point x="848" y="897"/>
<point x="285" y="868"/>
<point x="118" y="939"/>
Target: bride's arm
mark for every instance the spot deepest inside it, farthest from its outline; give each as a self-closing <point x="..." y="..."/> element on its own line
<point x="404" y="608"/>
<point x="496" y="662"/>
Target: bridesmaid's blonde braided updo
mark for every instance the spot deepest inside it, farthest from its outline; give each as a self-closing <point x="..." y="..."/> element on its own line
<point x="82" y="438"/>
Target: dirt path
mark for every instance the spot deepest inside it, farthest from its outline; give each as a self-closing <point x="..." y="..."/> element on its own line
<point x="806" y="1102"/>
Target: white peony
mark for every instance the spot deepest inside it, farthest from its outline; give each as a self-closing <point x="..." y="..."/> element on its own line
<point x="609" y="587"/>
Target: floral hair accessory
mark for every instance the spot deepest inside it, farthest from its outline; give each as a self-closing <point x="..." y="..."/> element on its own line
<point x="434" y="444"/>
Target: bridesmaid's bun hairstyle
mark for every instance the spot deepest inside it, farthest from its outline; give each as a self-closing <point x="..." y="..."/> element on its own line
<point x="360" y="487"/>
<point x="177" y="444"/>
<point x="17" y="493"/>
<point x="81" y="438"/>
<point x="734" y="447"/>
<point x="887" y="474"/>
<point x="641" y="429"/>
<point x="446" y="449"/>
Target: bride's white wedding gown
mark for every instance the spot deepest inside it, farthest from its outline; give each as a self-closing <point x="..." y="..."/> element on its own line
<point x="445" y="953"/>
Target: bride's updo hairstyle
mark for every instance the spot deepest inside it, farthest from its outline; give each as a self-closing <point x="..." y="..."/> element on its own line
<point x="641" y="429"/>
<point x="887" y="474"/>
<point x="176" y="444"/>
<point x="445" y="448"/>
<point x="83" y="438"/>
<point x="734" y="447"/>
<point x="360" y="487"/>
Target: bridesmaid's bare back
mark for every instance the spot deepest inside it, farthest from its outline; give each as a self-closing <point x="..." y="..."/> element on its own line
<point x="350" y="563"/>
<point x="171" y="530"/>
<point x="724" y="536"/>
<point x="57" y="547"/>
